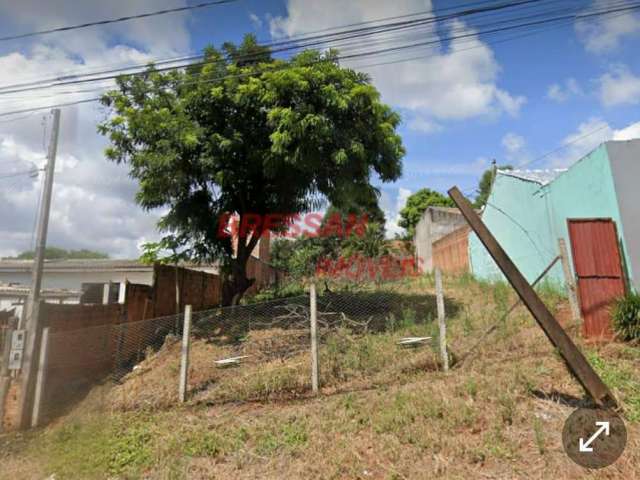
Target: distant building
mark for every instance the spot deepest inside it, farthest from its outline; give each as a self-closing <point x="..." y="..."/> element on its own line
<point x="436" y="222"/>
<point x="13" y="297"/>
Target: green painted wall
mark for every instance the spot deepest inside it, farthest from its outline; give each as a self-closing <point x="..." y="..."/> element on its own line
<point x="531" y="217"/>
<point x="516" y="215"/>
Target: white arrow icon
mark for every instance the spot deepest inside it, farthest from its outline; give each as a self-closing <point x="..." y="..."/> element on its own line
<point x="586" y="446"/>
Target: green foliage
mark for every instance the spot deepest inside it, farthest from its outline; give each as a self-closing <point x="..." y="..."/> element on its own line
<point x="288" y="289"/>
<point x="417" y="204"/>
<point x="243" y="133"/>
<point x="626" y="317"/>
<point x="485" y="184"/>
<point x="371" y="243"/>
<point x="55" y="253"/>
<point x="622" y="379"/>
<point x="119" y="448"/>
<point x="287" y="436"/>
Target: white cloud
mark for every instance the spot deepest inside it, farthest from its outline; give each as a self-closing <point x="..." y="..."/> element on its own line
<point x="604" y="34"/>
<point x="256" y="21"/>
<point x="475" y="167"/>
<point x="513" y="143"/>
<point x="560" y="93"/>
<point x="588" y="136"/>
<point x="423" y="125"/>
<point x="455" y="82"/>
<point x="93" y="199"/>
<point x="391" y="202"/>
<point x="628" y="133"/>
<point x="619" y="87"/>
<point x="516" y="151"/>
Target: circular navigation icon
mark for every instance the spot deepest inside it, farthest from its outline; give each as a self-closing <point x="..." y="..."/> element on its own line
<point x="594" y="438"/>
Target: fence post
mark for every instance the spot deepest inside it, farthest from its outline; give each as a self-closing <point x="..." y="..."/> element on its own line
<point x="314" y="336"/>
<point x="5" y="378"/>
<point x="41" y="378"/>
<point x="441" y="321"/>
<point x="569" y="281"/>
<point x="184" y="364"/>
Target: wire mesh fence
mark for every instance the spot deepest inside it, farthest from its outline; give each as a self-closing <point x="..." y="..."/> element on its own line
<point x="245" y="353"/>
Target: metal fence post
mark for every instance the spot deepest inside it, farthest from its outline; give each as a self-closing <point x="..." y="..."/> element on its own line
<point x="184" y="364"/>
<point x="41" y="378"/>
<point x="314" y="336"/>
<point x="569" y="281"/>
<point x="441" y="320"/>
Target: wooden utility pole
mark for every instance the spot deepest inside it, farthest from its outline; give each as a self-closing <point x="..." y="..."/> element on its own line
<point x="569" y="280"/>
<point x="576" y="362"/>
<point x="32" y="323"/>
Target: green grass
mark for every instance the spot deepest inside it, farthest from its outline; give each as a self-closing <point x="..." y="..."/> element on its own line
<point x="623" y="379"/>
<point x="120" y="446"/>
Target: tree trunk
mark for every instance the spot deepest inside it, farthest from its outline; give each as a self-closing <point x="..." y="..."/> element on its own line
<point x="237" y="283"/>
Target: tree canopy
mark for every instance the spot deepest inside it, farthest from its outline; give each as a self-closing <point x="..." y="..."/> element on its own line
<point x="244" y="133"/>
<point x="485" y="184"/>
<point x="416" y="204"/>
<point x="55" y="253"/>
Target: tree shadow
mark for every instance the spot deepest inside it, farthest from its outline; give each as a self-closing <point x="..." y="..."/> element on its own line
<point x="563" y="398"/>
<point x="359" y="312"/>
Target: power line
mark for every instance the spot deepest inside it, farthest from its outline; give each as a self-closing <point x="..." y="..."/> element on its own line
<point x="564" y="145"/>
<point x="270" y="44"/>
<point x="19" y="174"/>
<point x="281" y="47"/>
<point x="116" y="20"/>
<point x="471" y="34"/>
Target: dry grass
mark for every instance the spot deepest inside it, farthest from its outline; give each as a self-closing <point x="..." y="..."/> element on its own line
<point x="384" y="413"/>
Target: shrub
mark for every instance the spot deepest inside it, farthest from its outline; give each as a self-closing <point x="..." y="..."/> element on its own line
<point x="626" y="317"/>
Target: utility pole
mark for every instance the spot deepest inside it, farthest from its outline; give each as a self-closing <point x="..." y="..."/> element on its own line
<point x="32" y="317"/>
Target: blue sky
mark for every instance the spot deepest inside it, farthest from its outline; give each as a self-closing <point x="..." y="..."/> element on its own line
<point x="513" y="101"/>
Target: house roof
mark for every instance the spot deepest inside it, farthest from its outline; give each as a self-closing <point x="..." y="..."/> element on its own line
<point x="76" y="265"/>
<point x="541" y="177"/>
<point x="17" y="290"/>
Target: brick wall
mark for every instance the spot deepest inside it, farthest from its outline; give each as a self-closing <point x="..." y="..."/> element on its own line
<point x="451" y="252"/>
<point x="89" y="342"/>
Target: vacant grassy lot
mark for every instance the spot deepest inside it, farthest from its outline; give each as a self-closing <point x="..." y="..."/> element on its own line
<point x="384" y="412"/>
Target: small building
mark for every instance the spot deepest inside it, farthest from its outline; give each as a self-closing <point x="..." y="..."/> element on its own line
<point x="436" y="222"/>
<point x="594" y="206"/>
<point x="13" y="297"/>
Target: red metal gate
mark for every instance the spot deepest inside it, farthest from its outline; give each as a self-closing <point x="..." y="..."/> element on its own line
<point x="598" y="266"/>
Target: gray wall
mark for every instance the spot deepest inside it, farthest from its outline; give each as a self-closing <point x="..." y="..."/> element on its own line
<point x="436" y="222"/>
<point x="624" y="157"/>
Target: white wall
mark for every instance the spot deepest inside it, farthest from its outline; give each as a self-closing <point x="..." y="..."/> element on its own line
<point x="624" y="157"/>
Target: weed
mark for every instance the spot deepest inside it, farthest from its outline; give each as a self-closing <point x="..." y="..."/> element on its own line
<point x="622" y="379"/>
<point x="290" y="435"/>
<point x="471" y="387"/>
<point x="626" y="317"/>
<point x="538" y="433"/>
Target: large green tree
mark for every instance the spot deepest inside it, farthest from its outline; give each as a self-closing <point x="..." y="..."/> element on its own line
<point x="246" y="134"/>
<point x="416" y="204"/>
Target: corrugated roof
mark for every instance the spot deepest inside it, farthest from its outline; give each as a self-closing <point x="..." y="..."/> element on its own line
<point x="23" y="291"/>
<point x="542" y="177"/>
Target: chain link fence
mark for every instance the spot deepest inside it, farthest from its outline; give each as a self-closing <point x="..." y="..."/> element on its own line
<point x="245" y="353"/>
